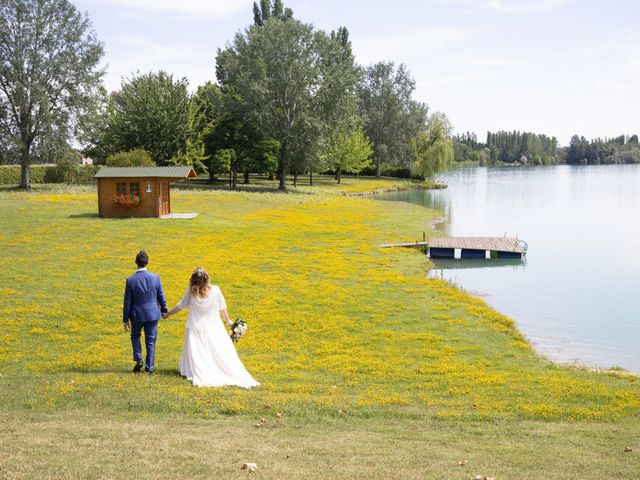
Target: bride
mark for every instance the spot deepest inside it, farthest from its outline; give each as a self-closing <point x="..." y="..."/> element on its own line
<point x="209" y="358"/>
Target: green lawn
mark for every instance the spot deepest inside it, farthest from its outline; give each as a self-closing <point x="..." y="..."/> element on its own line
<point x="379" y="371"/>
<point x="349" y="185"/>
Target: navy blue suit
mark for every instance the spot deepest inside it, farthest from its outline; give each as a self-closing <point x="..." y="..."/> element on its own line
<point x="144" y="301"/>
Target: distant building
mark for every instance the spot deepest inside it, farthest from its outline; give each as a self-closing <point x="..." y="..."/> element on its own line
<point x="86" y="161"/>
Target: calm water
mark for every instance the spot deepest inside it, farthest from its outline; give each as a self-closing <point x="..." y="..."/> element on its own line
<point x="577" y="295"/>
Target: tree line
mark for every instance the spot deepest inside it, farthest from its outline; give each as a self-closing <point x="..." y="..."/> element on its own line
<point x="289" y="99"/>
<point x="507" y="148"/>
<point x="527" y="148"/>
<point x="622" y="149"/>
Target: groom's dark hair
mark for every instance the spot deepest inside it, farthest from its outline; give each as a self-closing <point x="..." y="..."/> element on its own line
<point x="142" y="259"/>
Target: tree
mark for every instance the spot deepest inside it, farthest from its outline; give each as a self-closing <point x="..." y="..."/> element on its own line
<point x="513" y="147"/>
<point x="392" y="118"/>
<point x="338" y="96"/>
<point x="133" y="158"/>
<point x="578" y="150"/>
<point x="266" y="10"/>
<point x="274" y="70"/>
<point x="262" y="157"/>
<point x="236" y="130"/>
<point x="221" y="162"/>
<point x="432" y="150"/>
<point x="351" y="153"/>
<point x="50" y="82"/>
<point x="149" y="111"/>
<point x="199" y="126"/>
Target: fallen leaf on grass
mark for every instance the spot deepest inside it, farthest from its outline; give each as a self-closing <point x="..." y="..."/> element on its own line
<point x="261" y="422"/>
<point x="251" y="467"/>
<point x="628" y="449"/>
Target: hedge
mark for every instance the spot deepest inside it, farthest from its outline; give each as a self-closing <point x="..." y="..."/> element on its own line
<point x="63" y="173"/>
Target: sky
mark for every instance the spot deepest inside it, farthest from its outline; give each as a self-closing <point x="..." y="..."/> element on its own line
<point x="558" y="67"/>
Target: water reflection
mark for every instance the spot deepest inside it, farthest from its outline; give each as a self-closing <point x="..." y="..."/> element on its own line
<point x="433" y="199"/>
<point x="454" y="264"/>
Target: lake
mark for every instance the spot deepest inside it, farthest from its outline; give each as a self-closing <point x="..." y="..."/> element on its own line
<point x="576" y="296"/>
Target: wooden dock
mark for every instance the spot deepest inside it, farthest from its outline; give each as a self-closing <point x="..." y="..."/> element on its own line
<point x="468" y="247"/>
<point x="406" y="244"/>
<point x="476" y="247"/>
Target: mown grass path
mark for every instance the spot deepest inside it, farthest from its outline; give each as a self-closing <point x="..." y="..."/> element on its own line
<point x="337" y="326"/>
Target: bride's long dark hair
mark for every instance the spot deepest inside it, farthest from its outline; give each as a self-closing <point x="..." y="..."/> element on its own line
<point x="200" y="284"/>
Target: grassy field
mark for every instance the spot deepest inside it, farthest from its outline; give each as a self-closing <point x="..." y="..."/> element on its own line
<point x="378" y="371"/>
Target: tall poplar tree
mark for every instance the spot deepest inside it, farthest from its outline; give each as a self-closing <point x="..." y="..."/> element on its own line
<point x="267" y="9"/>
<point x="275" y="70"/>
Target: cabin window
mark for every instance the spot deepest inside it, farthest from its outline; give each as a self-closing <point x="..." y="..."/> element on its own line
<point x="134" y="189"/>
<point x="121" y="188"/>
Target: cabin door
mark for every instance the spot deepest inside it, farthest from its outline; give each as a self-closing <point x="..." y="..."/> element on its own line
<point x="164" y="198"/>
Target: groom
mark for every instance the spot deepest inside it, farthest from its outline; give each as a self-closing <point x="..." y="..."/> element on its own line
<point x="144" y="301"/>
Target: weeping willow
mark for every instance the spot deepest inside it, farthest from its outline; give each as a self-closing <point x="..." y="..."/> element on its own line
<point x="432" y="150"/>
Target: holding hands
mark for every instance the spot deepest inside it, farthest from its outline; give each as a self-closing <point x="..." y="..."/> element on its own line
<point x="166" y="315"/>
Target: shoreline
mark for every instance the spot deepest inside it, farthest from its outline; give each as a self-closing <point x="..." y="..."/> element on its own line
<point x="436" y="186"/>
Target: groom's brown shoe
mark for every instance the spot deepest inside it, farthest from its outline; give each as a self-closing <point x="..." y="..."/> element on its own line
<point x="137" y="367"/>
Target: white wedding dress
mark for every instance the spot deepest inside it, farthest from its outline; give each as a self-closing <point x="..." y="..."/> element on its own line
<point x="209" y="358"/>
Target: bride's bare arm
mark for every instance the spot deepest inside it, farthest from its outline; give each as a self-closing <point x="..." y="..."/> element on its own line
<point x="182" y="304"/>
<point x="225" y="315"/>
<point x="176" y="309"/>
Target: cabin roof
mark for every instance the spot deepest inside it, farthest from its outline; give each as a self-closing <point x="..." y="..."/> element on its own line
<point x="163" y="172"/>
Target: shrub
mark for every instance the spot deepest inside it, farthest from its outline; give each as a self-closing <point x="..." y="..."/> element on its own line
<point x="71" y="173"/>
<point x="399" y="172"/>
<point x="133" y="158"/>
<point x="10" y="174"/>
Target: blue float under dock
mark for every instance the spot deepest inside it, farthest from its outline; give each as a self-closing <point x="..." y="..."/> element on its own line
<point x="476" y="247"/>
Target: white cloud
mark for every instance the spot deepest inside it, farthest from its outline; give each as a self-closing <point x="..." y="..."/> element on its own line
<point x="398" y="46"/>
<point x="215" y="9"/>
<point x="631" y="54"/>
<point x="452" y="80"/>
<point x="497" y="62"/>
<point x="612" y="84"/>
<point x="144" y="55"/>
<point x="525" y="6"/>
<point x="515" y="6"/>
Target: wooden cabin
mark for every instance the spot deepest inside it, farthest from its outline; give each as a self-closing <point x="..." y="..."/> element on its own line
<point x="137" y="191"/>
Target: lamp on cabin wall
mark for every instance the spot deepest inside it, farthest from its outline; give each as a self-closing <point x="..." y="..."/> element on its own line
<point x="149" y="189"/>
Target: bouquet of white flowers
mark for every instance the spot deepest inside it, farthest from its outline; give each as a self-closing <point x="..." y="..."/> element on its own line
<point x="238" y="329"/>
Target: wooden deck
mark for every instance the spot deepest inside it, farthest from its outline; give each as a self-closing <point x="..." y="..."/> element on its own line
<point x="405" y="244"/>
<point x="495" y="244"/>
